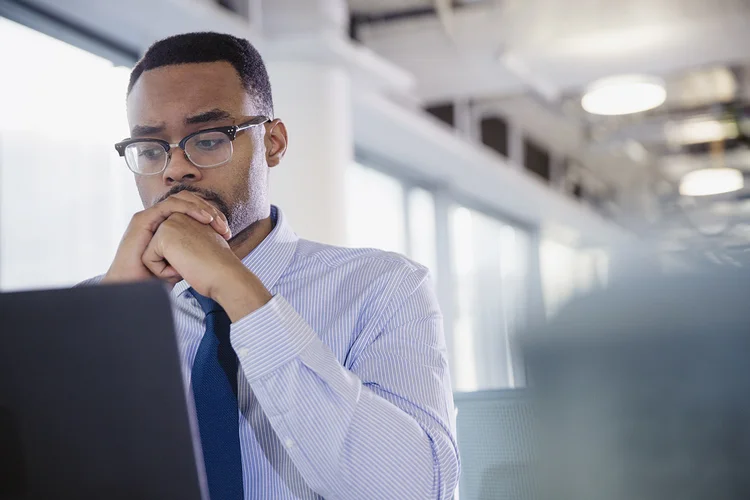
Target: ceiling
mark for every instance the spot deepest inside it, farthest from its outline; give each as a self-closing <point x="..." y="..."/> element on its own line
<point x="498" y="46"/>
<point x="532" y="59"/>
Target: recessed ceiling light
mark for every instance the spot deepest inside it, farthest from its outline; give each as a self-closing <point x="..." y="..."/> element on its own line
<point x="708" y="181"/>
<point x="623" y="95"/>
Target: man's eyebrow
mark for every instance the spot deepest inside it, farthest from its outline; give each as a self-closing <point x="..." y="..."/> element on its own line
<point x="146" y="130"/>
<point x="214" y="115"/>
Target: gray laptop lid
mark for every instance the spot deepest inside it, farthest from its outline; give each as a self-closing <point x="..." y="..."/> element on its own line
<point x="92" y="402"/>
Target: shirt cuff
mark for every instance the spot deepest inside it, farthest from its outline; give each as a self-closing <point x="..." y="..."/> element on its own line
<point x="269" y="338"/>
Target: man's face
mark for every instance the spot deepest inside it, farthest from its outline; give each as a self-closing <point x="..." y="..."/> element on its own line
<point x="173" y="101"/>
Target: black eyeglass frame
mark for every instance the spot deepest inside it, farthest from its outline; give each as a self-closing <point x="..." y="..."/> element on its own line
<point x="231" y="131"/>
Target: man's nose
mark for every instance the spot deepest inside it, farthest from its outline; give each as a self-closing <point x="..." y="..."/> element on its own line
<point x="180" y="169"/>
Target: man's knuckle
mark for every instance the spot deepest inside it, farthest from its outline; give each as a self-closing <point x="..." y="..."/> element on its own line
<point x="177" y="218"/>
<point x="139" y="219"/>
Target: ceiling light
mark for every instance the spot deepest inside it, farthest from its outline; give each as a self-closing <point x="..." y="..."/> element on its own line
<point x="700" y="130"/>
<point x="622" y="95"/>
<point x="708" y="181"/>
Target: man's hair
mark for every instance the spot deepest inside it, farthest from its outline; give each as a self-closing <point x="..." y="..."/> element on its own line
<point x="212" y="47"/>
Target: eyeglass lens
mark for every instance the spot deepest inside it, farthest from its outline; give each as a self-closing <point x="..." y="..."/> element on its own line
<point x="207" y="149"/>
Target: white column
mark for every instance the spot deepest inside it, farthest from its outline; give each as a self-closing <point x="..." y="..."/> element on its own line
<point x="465" y="121"/>
<point x="314" y="101"/>
<point x="312" y="95"/>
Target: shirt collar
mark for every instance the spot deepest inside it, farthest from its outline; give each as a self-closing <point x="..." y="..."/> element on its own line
<point x="270" y="258"/>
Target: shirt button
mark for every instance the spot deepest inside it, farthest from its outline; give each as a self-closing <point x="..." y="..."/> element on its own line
<point x="243" y="351"/>
<point x="289" y="443"/>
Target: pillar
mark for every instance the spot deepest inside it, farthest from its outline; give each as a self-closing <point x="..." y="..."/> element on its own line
<point x="312" y="95"/>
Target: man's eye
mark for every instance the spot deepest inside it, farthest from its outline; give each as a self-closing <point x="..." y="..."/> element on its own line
<point x="210" y="144"/>
<point x="151" y="153"/>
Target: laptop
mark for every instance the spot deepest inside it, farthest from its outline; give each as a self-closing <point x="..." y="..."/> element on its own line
<point x="92" y="401"/>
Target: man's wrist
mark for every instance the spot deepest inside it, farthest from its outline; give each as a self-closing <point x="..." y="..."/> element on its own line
<point x="240" y="292"/>
<point x="112" y="277"/>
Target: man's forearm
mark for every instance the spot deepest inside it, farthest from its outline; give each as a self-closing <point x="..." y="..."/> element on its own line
<point x="348" y="440"/>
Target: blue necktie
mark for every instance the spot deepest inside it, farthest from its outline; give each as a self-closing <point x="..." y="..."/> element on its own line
<point x="214" y="381"/>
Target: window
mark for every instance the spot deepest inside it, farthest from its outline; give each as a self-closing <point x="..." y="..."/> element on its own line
<point x="536" y="159"/>
<point x="490" y="271"/>
<point x="65" y="196"/>
<point x="484" y="291"/>
<point x="568" y="272"/>
<point x="443" y="112"/>
<point x="422" y="238"/>
<point x="495" y="134"/>
<point x="375" y="210"/>
<point x="384" y="213"/>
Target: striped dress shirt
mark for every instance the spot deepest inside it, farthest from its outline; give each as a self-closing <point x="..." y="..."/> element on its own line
<point x="343" y="387"/>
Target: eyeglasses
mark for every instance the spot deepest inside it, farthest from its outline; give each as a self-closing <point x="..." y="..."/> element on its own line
<point x="205" y="149"/>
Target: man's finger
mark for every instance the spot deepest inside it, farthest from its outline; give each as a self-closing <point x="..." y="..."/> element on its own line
<point x="155" y="262"/>
<point x="151" y="218"/>
<point x="195" y="207"/>
<point x="219" y="222"/>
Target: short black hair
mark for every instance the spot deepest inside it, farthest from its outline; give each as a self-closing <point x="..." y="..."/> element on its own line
<point x="211" y="47"/>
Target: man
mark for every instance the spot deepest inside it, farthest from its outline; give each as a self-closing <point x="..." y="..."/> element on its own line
<point x="331" y="380"/>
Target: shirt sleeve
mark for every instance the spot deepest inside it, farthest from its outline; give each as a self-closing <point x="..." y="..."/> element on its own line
<point x="385" y="427"/>
<point x="90" y="282"/>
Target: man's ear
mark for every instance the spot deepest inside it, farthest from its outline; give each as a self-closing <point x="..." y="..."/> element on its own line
<point x="276" y="142"/>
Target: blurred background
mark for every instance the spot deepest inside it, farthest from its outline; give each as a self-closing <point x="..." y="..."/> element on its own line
<point x="526" y="151"/>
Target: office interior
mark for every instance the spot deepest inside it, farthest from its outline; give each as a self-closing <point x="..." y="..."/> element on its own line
<point x="528" y="152"/>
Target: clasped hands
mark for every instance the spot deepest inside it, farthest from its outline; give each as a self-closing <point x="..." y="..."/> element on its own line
<point x="186" y="237"/>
